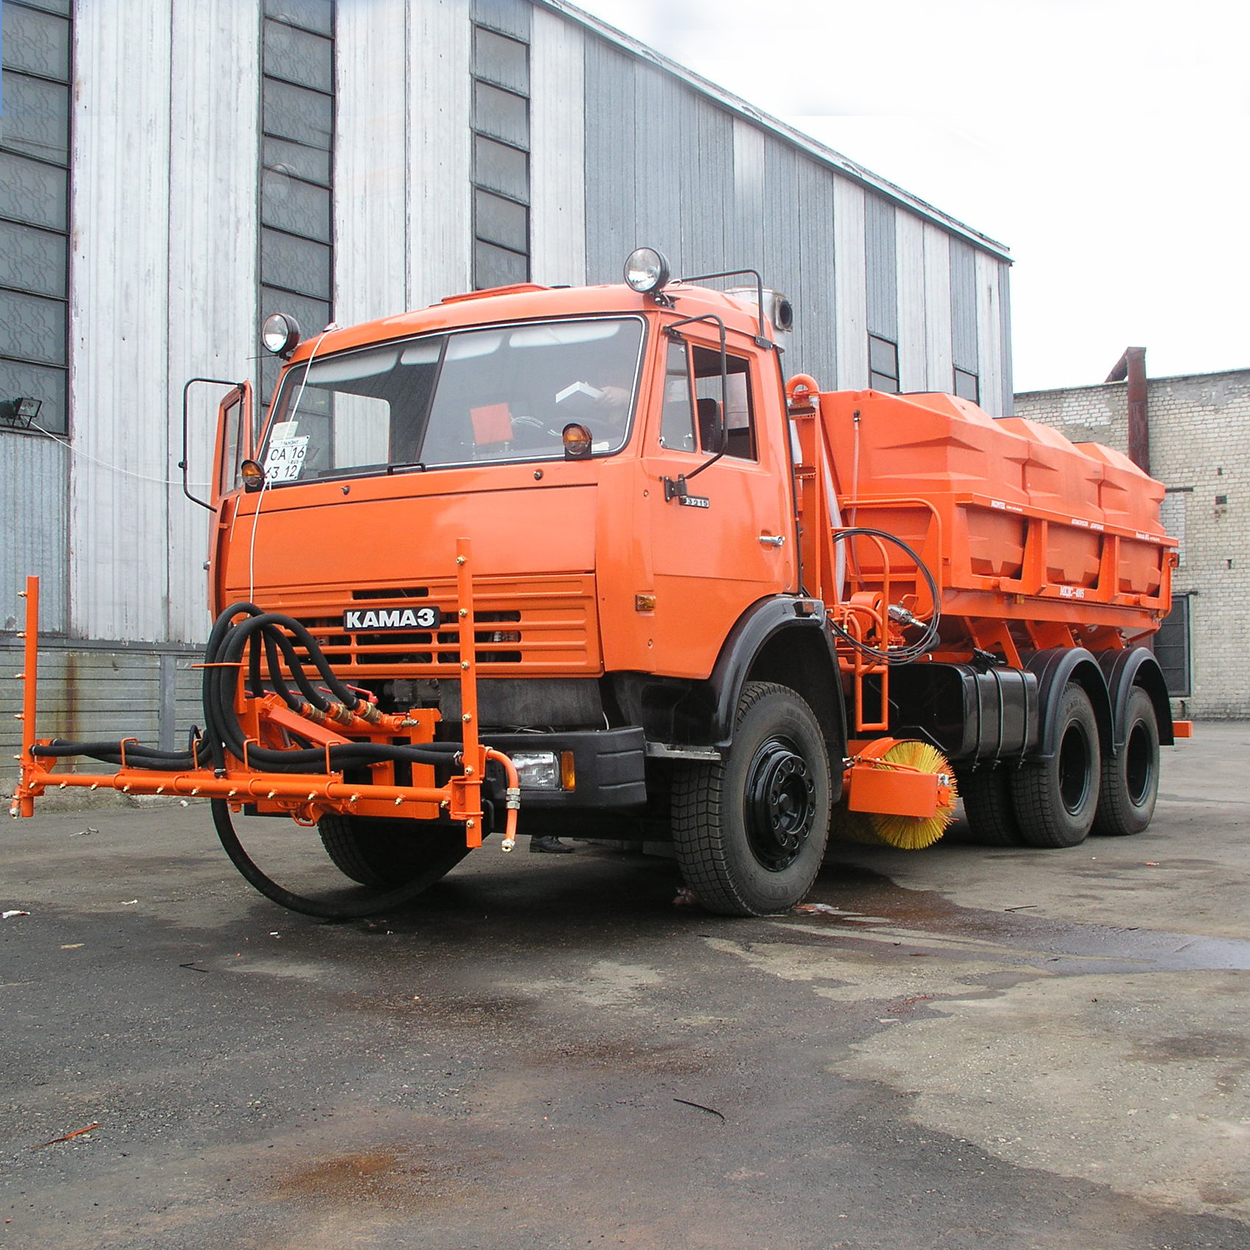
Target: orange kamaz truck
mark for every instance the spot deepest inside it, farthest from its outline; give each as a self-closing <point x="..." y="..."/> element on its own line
<point x="587" y="562"/>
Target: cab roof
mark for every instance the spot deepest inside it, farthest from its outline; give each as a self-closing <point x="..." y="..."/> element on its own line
<point x="530" y="302"/>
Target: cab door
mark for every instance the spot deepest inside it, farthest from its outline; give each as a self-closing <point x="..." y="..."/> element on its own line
<point x="722" y="528"/>
<point x="235" y="442"/>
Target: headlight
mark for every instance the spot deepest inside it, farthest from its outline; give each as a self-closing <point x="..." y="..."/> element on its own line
<point x="646" y="270"/>
<point x="538" y="770"/>
<point x="280" y="334"/>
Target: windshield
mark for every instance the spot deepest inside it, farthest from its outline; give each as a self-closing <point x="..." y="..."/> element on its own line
<point x="497" y="395"/>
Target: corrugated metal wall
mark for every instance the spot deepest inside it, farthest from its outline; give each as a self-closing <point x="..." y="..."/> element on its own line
<point x="557" y="144"/>
<point x="163" y="259"/>
<point x="93" y="693"/>
<point x="34" y="498"/>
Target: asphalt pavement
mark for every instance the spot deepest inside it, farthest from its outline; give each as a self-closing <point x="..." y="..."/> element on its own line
<point x="955" y="1048"/>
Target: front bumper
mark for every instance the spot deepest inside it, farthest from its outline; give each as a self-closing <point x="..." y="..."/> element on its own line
<point x="608" y="766"/>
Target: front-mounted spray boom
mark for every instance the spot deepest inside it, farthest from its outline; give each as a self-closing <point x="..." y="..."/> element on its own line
<point x="274" y="743"/>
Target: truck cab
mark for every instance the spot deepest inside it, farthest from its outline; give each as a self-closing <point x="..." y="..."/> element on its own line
<point x="621" y="462"/>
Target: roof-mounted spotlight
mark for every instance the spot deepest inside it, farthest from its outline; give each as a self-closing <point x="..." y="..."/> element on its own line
<point x="646" y="270"/>
<point x="280" y="334"/>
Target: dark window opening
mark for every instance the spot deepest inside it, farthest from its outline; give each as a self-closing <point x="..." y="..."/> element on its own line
<point x="1171" y="647"/>
<point x="37" y="49"/>
<point x="882" y="364"/>
<point x="967" y="385"/>
<point x="297" y="168"/>
<point x="501" y="172"/>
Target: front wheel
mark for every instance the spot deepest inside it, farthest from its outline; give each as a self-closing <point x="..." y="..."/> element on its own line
<point x="384" y="854"/>
<point x="750" y="831"/>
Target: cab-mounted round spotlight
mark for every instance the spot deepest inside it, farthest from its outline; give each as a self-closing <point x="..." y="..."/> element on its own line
<point x="252" y="475"/>
<point x="577" y="441"/>
<point x="646" y="270"/>
<point x="280" y="334"/>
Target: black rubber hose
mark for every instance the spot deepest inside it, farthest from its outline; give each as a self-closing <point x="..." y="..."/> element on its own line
<point x="323" y="909"/>
<point x="914" y="650"/>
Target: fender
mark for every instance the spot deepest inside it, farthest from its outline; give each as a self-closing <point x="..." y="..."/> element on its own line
<point x="1123" y="670"/>
<point x="781" y="639"/>
<point x="1054" y="669"/>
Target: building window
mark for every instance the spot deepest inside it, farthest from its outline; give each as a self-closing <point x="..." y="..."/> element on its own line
<point x="1171" y="646"/>
<point x="882" y="364"/>
<point x="34" y="210"/>
<point x="297" y="167"/>
<point x="501" y="170"/>
<point x="967" y="385"/>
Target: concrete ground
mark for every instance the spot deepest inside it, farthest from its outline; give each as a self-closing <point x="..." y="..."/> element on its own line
<point x="953" y="1048"/>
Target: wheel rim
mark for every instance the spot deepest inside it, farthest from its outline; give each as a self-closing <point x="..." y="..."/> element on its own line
<point x="1074" y="769"/>
<point x="1138" y="764"/>
<point x="781" y="803"/>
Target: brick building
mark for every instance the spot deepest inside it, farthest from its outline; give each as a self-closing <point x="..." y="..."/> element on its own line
<point x="1199" y="447"/>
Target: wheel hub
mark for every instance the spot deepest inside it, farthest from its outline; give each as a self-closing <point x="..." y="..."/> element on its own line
<point x="781" y="802"/>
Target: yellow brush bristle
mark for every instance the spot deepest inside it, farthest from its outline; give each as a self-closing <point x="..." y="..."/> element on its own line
<point x="913" y="833"/>
<point x="848" y="826"/>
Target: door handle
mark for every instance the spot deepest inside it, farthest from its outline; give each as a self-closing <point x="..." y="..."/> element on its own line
<point x="772" y="540"/>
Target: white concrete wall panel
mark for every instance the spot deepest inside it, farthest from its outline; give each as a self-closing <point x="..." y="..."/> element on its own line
<point x="937" y="309"/>
<point x="989" y="345"/>
<point x="557" y="150"/>
<point x="440" y="204"/>
<point x="913" y="362"/>
<point x="212" y="308"/>
<point x="119" y="258"/>
<point x="851" y="285"/>
<point x="370" y="161"/>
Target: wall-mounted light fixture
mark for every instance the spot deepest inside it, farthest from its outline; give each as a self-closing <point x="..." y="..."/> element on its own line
<point x="20" y="412"/>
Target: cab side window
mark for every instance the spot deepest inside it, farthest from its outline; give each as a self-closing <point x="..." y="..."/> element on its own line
<point x="677" y="420"/>
<point x="729" y="416"/>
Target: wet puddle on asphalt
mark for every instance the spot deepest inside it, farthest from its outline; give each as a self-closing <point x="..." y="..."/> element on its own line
<point x="856" y="905"/>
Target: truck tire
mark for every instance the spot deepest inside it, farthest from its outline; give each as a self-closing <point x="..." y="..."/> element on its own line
<point x="1055" y="799"/>
<point x="1130" y="781"/>
<point x="383" y="854"/>
<point x="986" y="796"/>
<point x="750" y="830"/>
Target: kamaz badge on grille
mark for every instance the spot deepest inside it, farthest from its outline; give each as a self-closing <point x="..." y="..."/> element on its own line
<point x="391" y="618"/>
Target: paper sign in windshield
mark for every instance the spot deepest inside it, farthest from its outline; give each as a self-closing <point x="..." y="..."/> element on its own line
<point x="285" y="460"/>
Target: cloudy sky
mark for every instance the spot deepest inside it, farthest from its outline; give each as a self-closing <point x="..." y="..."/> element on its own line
<point x="1105" y="142"/>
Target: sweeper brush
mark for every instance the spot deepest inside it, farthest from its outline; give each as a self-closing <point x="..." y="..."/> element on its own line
<point x="913" y="833"/>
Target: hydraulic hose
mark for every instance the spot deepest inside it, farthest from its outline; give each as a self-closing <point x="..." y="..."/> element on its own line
<point x="263" y="644"/>
<point x="913" y="650"/>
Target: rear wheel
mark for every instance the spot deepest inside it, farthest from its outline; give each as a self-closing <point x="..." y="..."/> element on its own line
<point x="1055" y="799"/>
<point x="986" y="796"/>
<point x="1130" y="781"/>
<point x="750" y="831"/>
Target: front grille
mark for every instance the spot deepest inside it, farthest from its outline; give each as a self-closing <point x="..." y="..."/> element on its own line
<point x="546" y="625"/>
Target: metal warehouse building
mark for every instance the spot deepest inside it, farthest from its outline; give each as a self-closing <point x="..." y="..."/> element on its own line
<point x="172" y="172"/>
